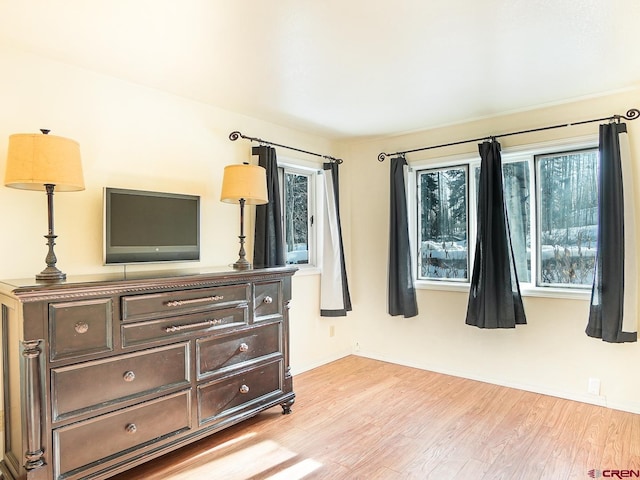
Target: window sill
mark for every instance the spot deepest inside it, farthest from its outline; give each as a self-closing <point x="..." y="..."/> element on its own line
<point x="304" y="270"/>
<point x="552" y="292"/>
<point x="526" y="291"/>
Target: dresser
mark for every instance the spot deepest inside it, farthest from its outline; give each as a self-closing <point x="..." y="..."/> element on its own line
<point x="102" y="373"/>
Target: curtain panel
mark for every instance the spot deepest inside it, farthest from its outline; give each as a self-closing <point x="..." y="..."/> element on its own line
<point x="494" y="294"/>
<point x="268" y="246"/>
<point x="401" y="290"/>
<point x="613" y="311"/>
<point x="335" y="300"/>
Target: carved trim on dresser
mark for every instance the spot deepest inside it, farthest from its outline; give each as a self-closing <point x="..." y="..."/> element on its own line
<point x="35" y="452"/>
<point x="27" y="294"/>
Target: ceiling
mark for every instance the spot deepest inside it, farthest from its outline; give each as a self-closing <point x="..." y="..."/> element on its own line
<point x="345" y="68"/>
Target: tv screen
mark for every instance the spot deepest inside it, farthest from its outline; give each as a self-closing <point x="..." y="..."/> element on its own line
<point x="142" y="226"/>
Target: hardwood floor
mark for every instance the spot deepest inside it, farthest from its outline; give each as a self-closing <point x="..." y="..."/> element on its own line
<point x="358" y="418"/>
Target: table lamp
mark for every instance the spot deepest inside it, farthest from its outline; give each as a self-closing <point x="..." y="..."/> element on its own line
<point x="244" y="184"/>
<point x="44" y="162"/>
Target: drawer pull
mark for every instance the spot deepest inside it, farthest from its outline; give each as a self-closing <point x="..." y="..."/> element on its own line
<point x="129" y="376"/>
<point x="267" y="299"/>
<point x="244" y="389"/>
<point x="81" y="327"/>
<point x="131" y="428"/>
<point x="244" y="347"/>
<point x="179" y="303"/>
<point x="206" y="323"/>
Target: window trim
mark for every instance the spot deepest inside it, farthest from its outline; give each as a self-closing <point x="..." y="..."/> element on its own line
<point x="509" y="154"/>
<point x="315" y="208"/>
<point x="468" y="168"/>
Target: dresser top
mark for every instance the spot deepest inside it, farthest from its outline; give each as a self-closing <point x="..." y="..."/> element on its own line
<point x="138" y="281"/>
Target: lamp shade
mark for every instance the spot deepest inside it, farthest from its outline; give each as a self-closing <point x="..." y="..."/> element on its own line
<point x="36" y="160"/>
<point x="248" y="182"/>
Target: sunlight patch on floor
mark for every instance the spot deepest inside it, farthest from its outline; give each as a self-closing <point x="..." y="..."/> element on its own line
<point x="297" y="471"/>
<point x="242" y="463"/>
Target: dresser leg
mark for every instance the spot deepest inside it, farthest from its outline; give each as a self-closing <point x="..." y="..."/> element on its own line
<point x="286" y="406"/>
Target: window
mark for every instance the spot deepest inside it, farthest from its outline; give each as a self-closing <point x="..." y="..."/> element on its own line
<point x="568" y="217"/>
<point x="298" y="191"/>
<point x="442" y="203"/>
<point x="550" y="195"/>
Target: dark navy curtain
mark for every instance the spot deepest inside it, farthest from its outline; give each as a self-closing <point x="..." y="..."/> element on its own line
<point x="607" y="314"/>
<point x="335" y="300"/>
<point x="494" y="295"/>
<point x="402" y="294"/>
<point x="268" y="247"/>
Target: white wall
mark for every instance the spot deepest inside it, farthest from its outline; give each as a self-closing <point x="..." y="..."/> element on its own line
<point x="551" y="354"/>
<point x="135" y="137"/>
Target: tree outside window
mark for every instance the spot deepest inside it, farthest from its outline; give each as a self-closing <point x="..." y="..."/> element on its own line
<point x="554" y="248"/>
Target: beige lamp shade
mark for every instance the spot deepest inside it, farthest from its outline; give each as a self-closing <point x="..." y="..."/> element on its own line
<point x="248" y="182"/>
<point x="36" y="160"/>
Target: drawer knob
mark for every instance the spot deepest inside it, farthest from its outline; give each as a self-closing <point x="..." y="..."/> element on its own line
<point x="129" y="377"/>
<point x="267" y="299"/>
<point x="243" y="347"/>
<point x="131" y="428"/>
<point x="244" y="389"/>
<point x="81" y="327"/>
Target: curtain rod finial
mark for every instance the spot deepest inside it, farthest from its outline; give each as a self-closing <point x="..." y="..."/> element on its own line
<point x="382" y="156"/>
<point x="235" y="135"/>
<point x="632" y="114"/>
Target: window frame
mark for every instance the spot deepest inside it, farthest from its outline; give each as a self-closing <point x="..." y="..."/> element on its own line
<point x="468" y="172"/>
<point x="509" y="155"/>
<point x="315" y="203"/>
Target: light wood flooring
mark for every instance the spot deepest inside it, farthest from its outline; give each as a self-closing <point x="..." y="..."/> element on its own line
<point x="358" y="418"/>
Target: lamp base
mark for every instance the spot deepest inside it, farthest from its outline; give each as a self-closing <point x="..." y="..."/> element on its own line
<point x="51" y="274"/>
<point x="242" y="264"/>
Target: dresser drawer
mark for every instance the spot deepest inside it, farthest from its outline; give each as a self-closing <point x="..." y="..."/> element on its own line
<point x="268" y="299"/>
<point x="158" y="305"/>
<point x="85" y="444"/>
<point x="186" y="325"/>
<point x="80" y="328"/>
<point x="91" y="385"/>
<point x="219" y="354"/>
<point x="243" y="390"/>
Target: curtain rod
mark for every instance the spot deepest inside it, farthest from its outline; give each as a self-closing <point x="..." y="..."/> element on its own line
<point x="632" y="114"/>
<point x="233" y="136"/>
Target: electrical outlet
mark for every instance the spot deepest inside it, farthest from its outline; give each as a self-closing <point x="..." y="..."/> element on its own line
<point x="332" y="330"/>
<point x="594" y="386"/>
<point x="357" y="347"/>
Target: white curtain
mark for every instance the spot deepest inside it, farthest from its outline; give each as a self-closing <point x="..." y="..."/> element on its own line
<point x="630" y="317"/>
<point x="334" y="289"/>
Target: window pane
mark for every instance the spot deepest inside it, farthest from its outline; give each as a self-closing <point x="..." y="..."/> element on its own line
<point x="442" y="199"/>
<point x="515" y="178"/>
<point x="568" y="219"/>
<point x="516" y="184"/>
<point x="296" y="208"/>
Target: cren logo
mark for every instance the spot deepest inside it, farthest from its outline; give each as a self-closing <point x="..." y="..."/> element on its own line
<point x="625" y="473"/>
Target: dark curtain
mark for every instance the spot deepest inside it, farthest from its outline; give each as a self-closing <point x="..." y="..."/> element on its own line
<point x="268" y="246"/>
<point x="494" y="296"/>
<point x="607" y="296"/>
<point x="402" y="294"/>
<point x="335" y="300"/>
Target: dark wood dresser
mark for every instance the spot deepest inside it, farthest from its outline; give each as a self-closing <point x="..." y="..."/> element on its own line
<point x="103" y="373"/>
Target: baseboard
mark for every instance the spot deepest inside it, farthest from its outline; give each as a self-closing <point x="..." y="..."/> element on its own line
<point x="297" y="369"/>
<point x="632" y="407"/>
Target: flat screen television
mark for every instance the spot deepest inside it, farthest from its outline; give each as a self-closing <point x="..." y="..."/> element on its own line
<point x="141" y="226"/>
